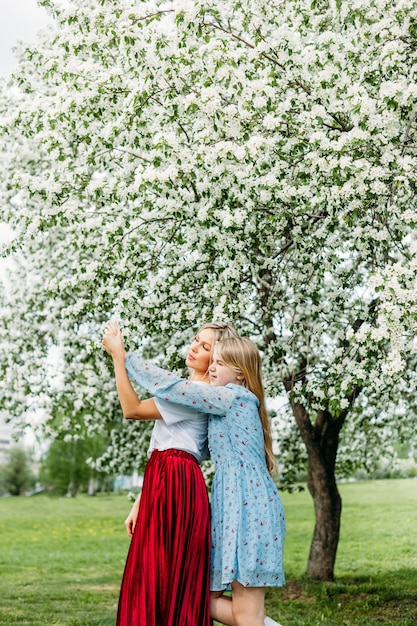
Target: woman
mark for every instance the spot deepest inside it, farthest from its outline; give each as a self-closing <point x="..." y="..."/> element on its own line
<point x="166" y="577"/>
<point x="248" y="522"/>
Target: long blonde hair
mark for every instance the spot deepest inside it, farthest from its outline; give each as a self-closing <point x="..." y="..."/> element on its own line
<point x="243" y="356"/>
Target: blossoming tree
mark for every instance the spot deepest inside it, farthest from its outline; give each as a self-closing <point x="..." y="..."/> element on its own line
<point x="173" y="162"/>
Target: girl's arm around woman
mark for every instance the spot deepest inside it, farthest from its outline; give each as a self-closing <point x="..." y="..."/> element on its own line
<point x="169" y="386"/>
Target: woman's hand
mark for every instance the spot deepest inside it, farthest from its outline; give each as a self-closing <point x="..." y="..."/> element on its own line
<point x="112" y="341"/>
<point x="131" y="519"/>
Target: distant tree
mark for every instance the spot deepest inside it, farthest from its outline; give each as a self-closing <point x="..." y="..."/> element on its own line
<point x="16" y="476"/>
<point x="64" y="469"/>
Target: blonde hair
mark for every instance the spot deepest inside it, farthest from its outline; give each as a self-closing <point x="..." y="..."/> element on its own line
<point x="243" y="356"/>
<point x="222" y="330"/>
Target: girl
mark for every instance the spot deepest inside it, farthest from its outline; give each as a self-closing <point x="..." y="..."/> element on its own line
<point x="248" y="523"/>
<point x="166" y="577"/>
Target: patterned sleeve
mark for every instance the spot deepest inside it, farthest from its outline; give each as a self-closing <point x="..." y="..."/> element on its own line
<point x="168" y="386"/>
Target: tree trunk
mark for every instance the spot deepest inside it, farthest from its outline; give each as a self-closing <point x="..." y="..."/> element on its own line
<point x="321" y="441"/>
<point x="328" y="509"/>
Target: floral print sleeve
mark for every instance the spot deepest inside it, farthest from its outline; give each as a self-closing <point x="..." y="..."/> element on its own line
<point x="169" y="386"/>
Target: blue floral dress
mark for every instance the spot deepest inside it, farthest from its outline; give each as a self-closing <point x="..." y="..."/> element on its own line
<point x="248" y="522"/>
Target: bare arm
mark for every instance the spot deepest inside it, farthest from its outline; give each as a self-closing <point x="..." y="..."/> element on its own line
<point x="132" y="406"/>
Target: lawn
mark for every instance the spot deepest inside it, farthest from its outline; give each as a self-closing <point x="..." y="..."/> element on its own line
<point x="61" y="560"/>
<point x="376" y="566"/>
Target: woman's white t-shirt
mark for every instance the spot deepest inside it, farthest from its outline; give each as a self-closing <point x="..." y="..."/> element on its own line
<point x="182" y="428"/>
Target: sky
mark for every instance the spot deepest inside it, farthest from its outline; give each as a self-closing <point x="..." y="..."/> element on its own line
<point x="20" y="20"/>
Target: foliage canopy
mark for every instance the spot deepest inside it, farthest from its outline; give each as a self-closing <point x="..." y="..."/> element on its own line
<point x="174" y="162"/>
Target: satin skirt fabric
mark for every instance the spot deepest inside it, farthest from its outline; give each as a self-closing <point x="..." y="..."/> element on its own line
<point x="166" y="577"/>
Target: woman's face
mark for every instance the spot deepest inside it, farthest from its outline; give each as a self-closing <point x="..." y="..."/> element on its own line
<point x="198" y="357"/>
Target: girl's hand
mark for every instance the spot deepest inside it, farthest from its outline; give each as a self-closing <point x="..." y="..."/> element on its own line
<point x="112" y="341"/>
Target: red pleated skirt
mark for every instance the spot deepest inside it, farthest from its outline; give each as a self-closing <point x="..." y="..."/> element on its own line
<point x="166" y="577"/>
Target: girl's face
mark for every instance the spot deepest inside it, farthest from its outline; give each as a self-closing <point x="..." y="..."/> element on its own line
<point x="198" y="357"/>
<point x="221" y="374"/>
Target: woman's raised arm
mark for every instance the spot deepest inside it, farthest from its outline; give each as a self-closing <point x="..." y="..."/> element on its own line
<point x="132" y="406"/>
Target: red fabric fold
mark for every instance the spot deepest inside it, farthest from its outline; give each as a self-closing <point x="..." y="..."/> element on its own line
<point x="166" y="577"/>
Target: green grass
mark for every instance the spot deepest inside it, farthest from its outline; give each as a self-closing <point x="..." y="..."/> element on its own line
<point x="61" y="560"/>
<point x="376" y="566"/>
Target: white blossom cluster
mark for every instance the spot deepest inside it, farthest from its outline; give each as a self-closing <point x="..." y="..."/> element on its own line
<point x="174" y="162"/>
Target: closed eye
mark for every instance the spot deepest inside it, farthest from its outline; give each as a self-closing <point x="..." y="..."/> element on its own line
<point x="205" y="346"/>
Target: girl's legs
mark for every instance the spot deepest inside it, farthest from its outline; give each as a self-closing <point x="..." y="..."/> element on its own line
<point x="221" y="608"/>
<point x="245" y="608"/>
<point x="248" y="605"/>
